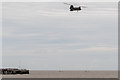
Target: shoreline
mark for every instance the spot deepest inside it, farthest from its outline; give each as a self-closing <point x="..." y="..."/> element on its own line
<point x="65" y="74"/>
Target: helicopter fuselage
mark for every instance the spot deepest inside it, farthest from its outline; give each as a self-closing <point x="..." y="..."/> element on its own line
<point x="72" y="8"/>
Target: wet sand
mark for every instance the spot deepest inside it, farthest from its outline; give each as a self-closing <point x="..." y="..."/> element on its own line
<point x="66" y="74"/>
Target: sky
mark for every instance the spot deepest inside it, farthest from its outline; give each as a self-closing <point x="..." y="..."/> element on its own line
<point x="0" y="35"/>
<point x="47" y="36"/>
<point x="60" y="0"/>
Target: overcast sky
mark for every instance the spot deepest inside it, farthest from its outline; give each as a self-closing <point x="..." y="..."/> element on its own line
<point x="47" y="36"/>
<point x="60" y="0"/>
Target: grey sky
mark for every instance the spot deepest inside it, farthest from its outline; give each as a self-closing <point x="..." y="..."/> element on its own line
<point x="49" y="36"/>
<point x="60" y="0"/>
<point x="0" y="35"/>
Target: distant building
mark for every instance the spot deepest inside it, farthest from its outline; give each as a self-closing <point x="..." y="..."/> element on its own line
<point x="13" y="71"/>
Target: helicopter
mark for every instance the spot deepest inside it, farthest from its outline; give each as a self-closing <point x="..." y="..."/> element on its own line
<point x="72" y="8"/>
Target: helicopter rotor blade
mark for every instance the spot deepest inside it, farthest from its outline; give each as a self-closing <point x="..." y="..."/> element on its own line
<point x="83" y="6"/>
<point x="76" y="4"/>
<point x="67" y="4"/>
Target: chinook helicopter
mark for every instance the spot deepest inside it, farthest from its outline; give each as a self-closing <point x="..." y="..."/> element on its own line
<point x="72" y="8"/>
